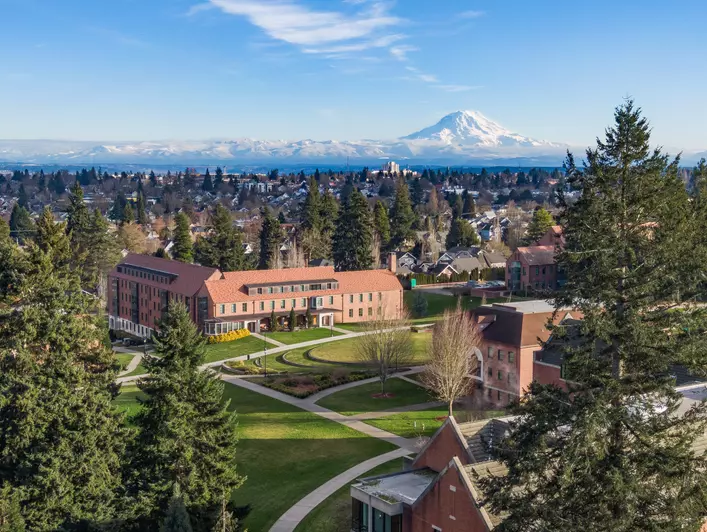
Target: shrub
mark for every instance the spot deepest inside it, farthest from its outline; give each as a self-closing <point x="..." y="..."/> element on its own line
<point x="229" y="337"/>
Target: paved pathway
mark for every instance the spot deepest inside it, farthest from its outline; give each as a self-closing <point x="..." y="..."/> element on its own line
<point x="324" y="393"/>
<point x="134" y="363"/>
<point x="268" y="340"/>
<point x="400" y="410"/>
<point x="292" y="517"/>
<point x="344" y="331"/>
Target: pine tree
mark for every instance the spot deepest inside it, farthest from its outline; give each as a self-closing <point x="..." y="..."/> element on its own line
<point x="102" y="253"/>
<point x="218" y="180"/>
<point x="21" y="225"/>
<point x="353" y="237"/>
<point x="222" y="248"/>
<point x="328" y="213"/>
<point x="207" y="185"/>
<point x="311" y="208"/>
<point x="10" y="512"/>
<point x="457" y="206"/>
<point x="402" y="216"/>
<point x="52" y="239"/>
<point x="538" y="226"/>
<point x="613" y="452"/>
<point x="4" y="230"/>
<point x="270" y="240"/>
<point x="461" y="234"/>
<point x="176" y="518"/>
<point x="183" y="248"/>
<point x="292" y="324"/>
<point x="61" y="441"/>
<point x="128" y="214"/>
<point x="381" y="222"/>
<point x="469" y="205"/>
<point x="23" y="200"/>
<point x="274" y="325"/>
<point x="153" y="179"/>
<point x="117" y="211"/>
<point x="77" y="216"/>
<point x="141" y="214"/>
<point x="186" y="435"/>
<point x="416" y="192"/>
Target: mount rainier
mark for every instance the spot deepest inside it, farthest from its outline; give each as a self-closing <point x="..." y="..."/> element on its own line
<point x="463" y="137"/>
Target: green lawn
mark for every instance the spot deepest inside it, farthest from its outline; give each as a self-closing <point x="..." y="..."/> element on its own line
<point x="353" y="327"/>
<point x="305" y="335"/>
<point x="345" y="350"/>
<point x="425" y="422"/>
<point x="243" y="346"/>
<point x="285" y="452"/>
<point x="360" y="398"/>
<point x="334" y="514"/>
<point x="127" y="400"/>
<point x="124" y="359"/>
<point x="438" y="303"/>
<point x="139" y="370"/>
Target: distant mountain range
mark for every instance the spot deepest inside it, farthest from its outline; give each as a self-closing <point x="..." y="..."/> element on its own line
<point x="460" y="138"/>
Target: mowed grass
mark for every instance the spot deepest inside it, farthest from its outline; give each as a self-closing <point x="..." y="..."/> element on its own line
<point x="127" y="401"/>
<point x="237" y="348"/>
<point x="284" y="451"/>
<point x="345" y="350"/>
<point x="334" y="514"/>
<point x="438" y="303"/>
<point x="426" y="422"/>
<point x="305" y="335"/>
<point x="123" y="359"/>
<point x="361" y="398"/>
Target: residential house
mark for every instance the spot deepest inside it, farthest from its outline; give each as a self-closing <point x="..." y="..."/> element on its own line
<point x="534" y="268"/>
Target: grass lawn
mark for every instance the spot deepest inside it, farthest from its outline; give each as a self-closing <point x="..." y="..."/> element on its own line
<point x="127" y="400"/>
<point x="123" y="359"/>
<point x="334" y="514"/>
<point x="305" y="335"/>
<point x="285" y="452"/>
<point x="139" y="370"/>
<point x="360" y="398"/>
<point x="244" y="346"/>
<point x="345" y="350"/>
<point x="438" y="303"/>
<point x="353" y="327"/>
<point x="426" y="422"/>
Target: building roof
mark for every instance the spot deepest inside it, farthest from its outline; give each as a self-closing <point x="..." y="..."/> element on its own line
<point x="493" y="257"/>
<point x="231" y="288"/>
<point x="405" y="487"/>
<point x="538" y="255"/>
<point x="187" y="278"/>
<point x="467" y="264"/>
<point x="485" y="470"/>
<point x="520" y="324"/>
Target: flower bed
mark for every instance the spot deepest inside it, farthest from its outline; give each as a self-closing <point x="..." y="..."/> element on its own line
<point x="305" y="385"/>
<point x="229" y="337"/>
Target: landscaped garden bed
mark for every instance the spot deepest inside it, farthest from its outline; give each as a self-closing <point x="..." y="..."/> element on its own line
<point x="302" y="386"/>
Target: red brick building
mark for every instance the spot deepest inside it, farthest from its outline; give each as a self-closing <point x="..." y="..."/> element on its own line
<point x="533" y="268"/>
<point x="141" y="287"/>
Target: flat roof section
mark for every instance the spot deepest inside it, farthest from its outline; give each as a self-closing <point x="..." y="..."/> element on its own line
<point x="403" y="487"/>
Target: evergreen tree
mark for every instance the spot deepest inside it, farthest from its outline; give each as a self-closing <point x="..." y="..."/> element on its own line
<point x="613" y="452"/>
<point x="311" y="208"/>
<point x="293" y="320"/>
<point x="222" y="248"/>
<point x="61" y="441"/>
<point x="128" y="214"/>
<point x="177" y="518"/>
<point x="469" y="207"/>
<point x="461" y="234"/>
<point x="457" y="206"/>
<point x="328" y="213"/>
<point x="21" y="225"/>
<point x="207" y="185"/>
<point x="186" y="436"/>
<point x="57" y="184"/>
<point x="353" y="236"/>
<point x="4" y="230"/>
<point x="538" y="226"/>
<point x="101" y="255"/>
<point x="270" y="240"/>
<point x="117" y="211"/>
<point x="23" y="200"/>
<point x="274" y="325"/>
<point x="10" y="512"/>
<point x="52" y="239"/>
<point x="218" y="179"/>
<point x="183" y="248"/>
<point x="381" y="222"/>
<point x="401" y="215"/>
<point x="153" y="179"/>
<point x="417" y="195"/>
<point x="77" y="216"/>
<point x="141" y="214"/>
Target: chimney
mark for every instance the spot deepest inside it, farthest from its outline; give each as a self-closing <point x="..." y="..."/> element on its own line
<point x="392" y="262"/>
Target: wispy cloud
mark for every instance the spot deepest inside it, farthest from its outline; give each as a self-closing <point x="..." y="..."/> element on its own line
<point x="288" y="21"/>
<point x="459" y="88"/>
<point x="472" y="14"/>
<point x="427" y="78"/>
<point x="401" y="52"/>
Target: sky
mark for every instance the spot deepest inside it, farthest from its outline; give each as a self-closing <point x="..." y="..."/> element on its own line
<point x="348" y="69"/>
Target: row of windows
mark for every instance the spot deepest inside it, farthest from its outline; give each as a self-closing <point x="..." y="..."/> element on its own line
<point x="292" y="288"/>
<point x="361" y="297"/>
<point x="143" y="275"/>
<point x="282" y="305"/>
<point x="500" y="374"/>
<point x="360" y="312"/>
<point x="511" y="354"/>
<point x="499" y="394"/>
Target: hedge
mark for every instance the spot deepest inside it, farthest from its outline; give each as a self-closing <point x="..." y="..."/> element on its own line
<point x="229" y="337"/>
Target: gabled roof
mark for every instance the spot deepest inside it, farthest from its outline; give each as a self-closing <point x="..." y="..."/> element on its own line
<point x="538" y="255"/>
<point x="187" y="278"/>
<point x="519" y="324"/>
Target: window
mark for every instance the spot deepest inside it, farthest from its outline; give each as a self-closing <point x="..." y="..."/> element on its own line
<point x="328" y="286"/>
<point x="350" y="313"/>
<point x="360" y="312"/>
<point x="509" y="377"/>
<point x="245" y="307"/>
<point x="223" y="309"/>
<point x="500" y="375"/>
<point x="351" y="298"/>
<point x="511" y="356"/>
<point x="233" y="308"/>
<point x="260" y="291"/>
<point x="370" y="311"/>
<point x="490" y="352"/>
<point x="304" y="302"/>
<point x="294" y="303"/>
<point x="523" y="272"/>
<point x="488" y="393"/>
<point x="360" y="298"/>
<point x="537" y="270"/>
<point x="490" y="371"/>
<point x="543" y="270"/>
<point x="500" y="355"/>
<point x="498" y="393"/>
<point x="331" y="300"/>
<point x="270" y="290"/>
<point x="370" y="297"/>
<point x="262" y="305"/>
<point x="380" y="296"/>
<point x="302" y="288"/>
<point x="272" y="305"/>
<point x="282" y="303"/>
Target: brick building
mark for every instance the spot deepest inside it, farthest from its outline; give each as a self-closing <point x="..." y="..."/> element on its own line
<point x="141" y="286"/>
<point x="533" y="268"/>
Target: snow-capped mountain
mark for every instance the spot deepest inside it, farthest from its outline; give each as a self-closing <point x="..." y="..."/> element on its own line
<point x="463" y="137"/>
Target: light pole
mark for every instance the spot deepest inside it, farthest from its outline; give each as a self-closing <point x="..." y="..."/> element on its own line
<point x="331" y="324"/>
<point x="265" y="350"/>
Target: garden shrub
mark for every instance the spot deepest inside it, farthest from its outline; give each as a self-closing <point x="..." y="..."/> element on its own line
<point x="229" y="337"/>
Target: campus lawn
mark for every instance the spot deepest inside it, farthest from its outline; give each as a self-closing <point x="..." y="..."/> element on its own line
<point x="285" y="452"/>
<point x="304" y="335"/>
<point x="438" y="303"/>
<point x="127" y="400"/>
<point x="345" y="350"/>
<point x="139" y="370"/>
<point x="243" y="346"/>
<point x="426" y="422"/>
<point x="124" y="359"/>
<point x="334" y="514"/>
<point x="360" y="399"/>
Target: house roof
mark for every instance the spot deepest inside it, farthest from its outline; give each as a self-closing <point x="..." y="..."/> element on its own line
<point x="467" y="264"/>
<point x="188" y="278"/>
<point x="519" y="324"/>
<point x="231" y="288"/>
<point x="538" y="255"/>
<point x="493" y="257"/>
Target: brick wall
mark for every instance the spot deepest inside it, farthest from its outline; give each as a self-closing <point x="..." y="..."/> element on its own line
<point x="445" y="445"/>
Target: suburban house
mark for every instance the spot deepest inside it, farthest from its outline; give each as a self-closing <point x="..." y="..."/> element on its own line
<point x="437" y="491"/>
<point x="141" y="287"/>
<point x="534" y="268"/>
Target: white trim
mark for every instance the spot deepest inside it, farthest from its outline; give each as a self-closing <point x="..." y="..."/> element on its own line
<point x="546" y="364"/>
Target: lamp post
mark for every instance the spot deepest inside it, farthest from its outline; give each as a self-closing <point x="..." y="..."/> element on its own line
<point x="331" y="324"/>
<point x="265" y="346"/>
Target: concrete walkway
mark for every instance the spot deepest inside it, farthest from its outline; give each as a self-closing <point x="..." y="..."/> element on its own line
<point x="268" y="340"/>
<point x="329" y="391"/>
<point x="134" y="363"/>
<point x="343" y="331"/>
<point x="292" y="517"/>
<point x="400" y="410"/>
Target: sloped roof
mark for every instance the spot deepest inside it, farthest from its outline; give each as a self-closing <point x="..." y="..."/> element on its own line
<point x="538" y="255"/>
<point x="467" y="264"/>
<point x="517" y="326"/>
<point x="189" y="278"/>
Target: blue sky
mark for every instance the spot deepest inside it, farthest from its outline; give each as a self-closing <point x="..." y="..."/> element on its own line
<point x="291" y="69"/>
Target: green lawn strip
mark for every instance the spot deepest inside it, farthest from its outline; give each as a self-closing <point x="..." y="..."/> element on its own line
<point x="426" y="422"/>
<point x="345" y="350"/>
<point x="360" y="398"/>
<point x="353" y="327"/>
<point x="438" y="303"/>
<point x="139" y="370"/>
<point x="243" y="346"/>
<point x="284" y="451"/>
<point x="334" y="513"/>
<point x="124" y="359"/>
<point x="127" y="400"/>
<point x="305" y="335"/>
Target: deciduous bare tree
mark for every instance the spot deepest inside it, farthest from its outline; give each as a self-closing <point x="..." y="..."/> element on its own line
<point x="386" y="344"/>
<point x="453" y="360"/>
